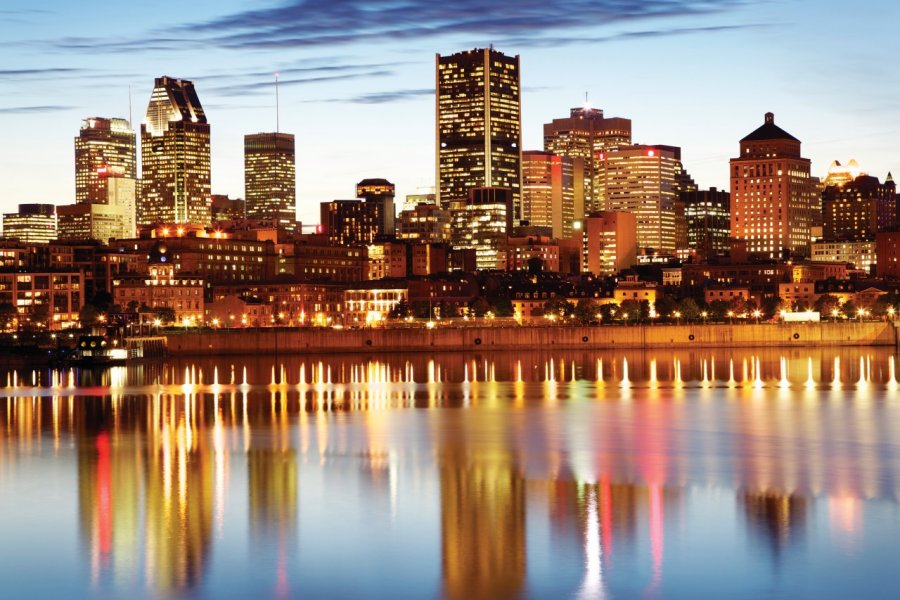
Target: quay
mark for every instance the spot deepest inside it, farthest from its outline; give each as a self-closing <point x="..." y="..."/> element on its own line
<point x="520" y="338"/>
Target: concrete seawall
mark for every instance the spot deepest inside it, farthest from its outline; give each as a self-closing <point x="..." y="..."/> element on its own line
<point x="313" y="341"/>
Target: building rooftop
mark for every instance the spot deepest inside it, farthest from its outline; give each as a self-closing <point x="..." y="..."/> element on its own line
<point x="769" y="131"/>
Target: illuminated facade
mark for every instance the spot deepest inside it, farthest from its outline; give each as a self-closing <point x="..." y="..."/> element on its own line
<point x="162" y="288"/>
<point x="423" y="195"/>
<point x="610" y="242"/>
<point x="370" y="305"/>
<point x="773" y="197"/>
<point x="478" y="122"/>
<point x="482" y="225"/>
<point x="175" y="159"/>
<point x="113" y="219"/>
<point x="425" y="223"/>
<point x="34" y="223"/>
<point x="270" y="184"/>
<point x="349" y="222"/>
<point x="103" y="148"/>
<point x="552" y="191"/>
<point x="48" y="300"/>
<point x="643" y="180"/>
<point x="227" y="209"/>
<point x="379" y="198"/>
<point x="707" y="216"/>
<point x="584" y="134"/>
<point x="858" y="209"/>
<point x="859" y="254"/>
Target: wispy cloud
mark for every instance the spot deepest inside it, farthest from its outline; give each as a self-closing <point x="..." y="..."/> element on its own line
<point x="25" y="110"/>
<point x="264" y="87"/>
<point x="629" y="35"/>
<point x="37" y="72"/>
<point x="317" y="23"/>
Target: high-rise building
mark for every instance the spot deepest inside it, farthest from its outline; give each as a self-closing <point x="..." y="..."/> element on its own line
<point x="175" y="160"/>
<point x="708" y="217"/>
<point x="379" y="195"/>
<point x="270" y="184"/>
<point x="552" y="191"/>
<point x="423" y="195"/>
<point x="856" y="210"/>
<point x="102" y="221"/>
<point x="478" y="122"/>
<point x="34" y="224"/>
<point x="426" y="223"/>
<point x="610" y="242"/>
<point x="104" y="148"/>
<point x="482" y="224"/>
<point x="584" y="134"/>
<point x="643" y="180"/>
<point x="773" y="197"/>
<point x="225" y="208"/>
<point x="349" y="222"/>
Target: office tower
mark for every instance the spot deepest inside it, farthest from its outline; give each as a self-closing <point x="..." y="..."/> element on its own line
<point x="772" y="193"/>
<point x="270" y="184"/>
<point x="584" y="134"/>
<point x="104" y="148"/>
<point x="478" y="124"/>
<point x="379" y="196"/>
<point x="610" y="242"/>
<point x="349" y="222"/>
<point x="840" y="175"/>
<point x="482" y="223"/>
<point x="175" y="163"/>
<point x="33" y="224"/>
<point x="643" y="180"/>
<point x="426" y="223"/>
<point x="856" y="210"/>
<point x="552" y="191"/>
<point x="112" y="219"/>
<point x="708" y="218"/>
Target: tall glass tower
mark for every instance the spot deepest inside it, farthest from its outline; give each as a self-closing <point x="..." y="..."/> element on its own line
<point x="104" y="148"/>
<point x="175" y="160"/>
<point x="479" y="141"/>
<point x="270" y="184"/>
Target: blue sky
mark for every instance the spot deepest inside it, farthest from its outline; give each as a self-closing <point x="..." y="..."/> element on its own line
<point x="358" y="77"/>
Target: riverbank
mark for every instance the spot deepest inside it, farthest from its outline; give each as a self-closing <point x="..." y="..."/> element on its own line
<point x="439" y="339"/>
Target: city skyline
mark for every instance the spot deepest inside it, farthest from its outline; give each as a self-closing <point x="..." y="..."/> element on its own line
<point x="841" y="104"/>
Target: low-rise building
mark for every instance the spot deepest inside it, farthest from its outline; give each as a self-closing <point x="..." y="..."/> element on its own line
<point x="45" y="300"/>
<point x="371" y="303"/>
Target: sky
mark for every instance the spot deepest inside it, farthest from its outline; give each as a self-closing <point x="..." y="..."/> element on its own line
<point x="357" y="79"/>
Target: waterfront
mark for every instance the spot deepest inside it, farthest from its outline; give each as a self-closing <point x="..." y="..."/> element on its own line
<point x="649" y="474"/>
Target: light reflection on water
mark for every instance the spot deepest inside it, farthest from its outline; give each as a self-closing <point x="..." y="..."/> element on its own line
<point x="618" y="475"/>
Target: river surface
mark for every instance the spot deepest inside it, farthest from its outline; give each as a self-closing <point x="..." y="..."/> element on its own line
<point x="703" y="474"/>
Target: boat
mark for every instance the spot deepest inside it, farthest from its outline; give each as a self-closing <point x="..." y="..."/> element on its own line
<point x="97" y="350"/>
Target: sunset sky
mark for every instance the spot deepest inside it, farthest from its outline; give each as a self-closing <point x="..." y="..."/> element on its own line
<point x="357" y="79"/>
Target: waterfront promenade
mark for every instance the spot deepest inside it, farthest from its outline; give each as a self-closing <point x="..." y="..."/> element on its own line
<point x="516" y="338"/>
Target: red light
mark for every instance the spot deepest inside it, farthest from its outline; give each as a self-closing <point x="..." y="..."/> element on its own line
<point x="102" y="171"/>
<point x="650" y="153"/>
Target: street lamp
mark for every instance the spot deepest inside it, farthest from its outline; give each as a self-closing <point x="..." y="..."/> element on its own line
<point x="757" y="314"/>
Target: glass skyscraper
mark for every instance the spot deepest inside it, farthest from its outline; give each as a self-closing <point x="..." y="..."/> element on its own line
<point x="175" y="159"/>
<point x="478" y="125"/>
<point x="270" y="178"/>
<point x="104" y="148"/>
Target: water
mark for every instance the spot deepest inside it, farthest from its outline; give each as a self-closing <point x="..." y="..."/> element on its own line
<point x="723" y="474"/>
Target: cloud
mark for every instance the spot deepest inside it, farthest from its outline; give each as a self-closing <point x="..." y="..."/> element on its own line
<point x="25" y="110"/>
<point x="316" y="23"/>
<point x="265" y="87"/>
<point x="16" y="73"/>
<point x="629" y="35"/>
<point x="391" y="96"/>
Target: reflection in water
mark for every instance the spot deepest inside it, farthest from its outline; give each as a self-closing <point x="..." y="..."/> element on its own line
<point x="606" y="450"/>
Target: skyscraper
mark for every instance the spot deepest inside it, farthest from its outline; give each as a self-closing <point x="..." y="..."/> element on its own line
<point x="772" y="193"/>
<point x="175" y="161"/>
<point x="584" y="134"/>
<point x="708" y="218"/>
<point x="552" y="191"/>
<point x="478" y="124"/>
<point x="270" y="184"/>
<point x="858" y="209"/>
<point x="103" y="148"/>
<point x="379" y="196"/>
<point x="643" y="180"/>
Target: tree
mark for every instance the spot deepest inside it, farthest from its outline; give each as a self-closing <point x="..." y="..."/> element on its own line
<point x="558" y="306"/>
<point x="132" y="307"/>
<point x="39" y="316"/>
<point x="88" y="315"/>
<point x="717" y="309"/>
<point x="479" y="306"/>
<point x="849" y="309"/>
<point x="827" y="304"/>
<point x="738" y="305"/>
<point x="608" y="311"/>
<point x="8" y="315"/>
<point x="165" y="314"/>
<point x="689" y="309"/>
<point x="665" y="305"/>
<point x="632" y="310"/>
<point x="771" y="306"/>
<point x="401" y="310"/>
<point x="586" y="311"/>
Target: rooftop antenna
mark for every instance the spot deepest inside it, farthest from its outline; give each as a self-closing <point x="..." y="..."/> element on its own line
<point x="130" y="122"/>
<point x="277" y="107"/>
